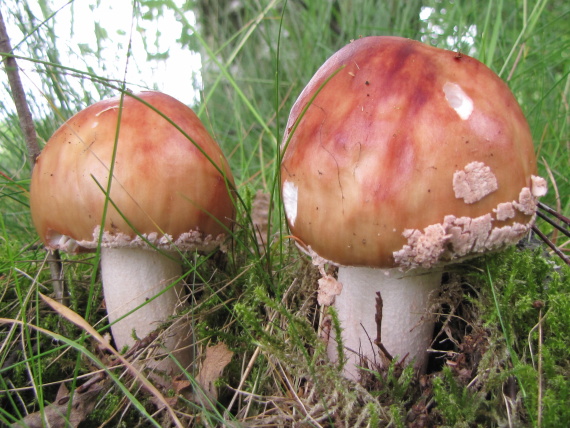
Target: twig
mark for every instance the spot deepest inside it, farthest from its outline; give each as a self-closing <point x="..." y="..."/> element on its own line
<point x="56" y="270"/>
<point x="555" y="213"/>
<point x="557" y="198"/>
<point x="18" y="94"/>
<point x="551" y="245"/>
<point x="539" y="422"/>
<point x="514" y="67"/>
<point x="553" y="223"/>
<point x="378" y="319"/>
<point x="559" y="226"/>
<point x="30" y="137"/>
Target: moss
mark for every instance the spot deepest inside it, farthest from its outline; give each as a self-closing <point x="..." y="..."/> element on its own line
<point x="457" y="404"/>
<point x="526" y="297"/>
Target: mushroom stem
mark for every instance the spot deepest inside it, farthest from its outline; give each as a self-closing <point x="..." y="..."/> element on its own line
<point x="405" y="329"/>
<point x="133" y="276"/>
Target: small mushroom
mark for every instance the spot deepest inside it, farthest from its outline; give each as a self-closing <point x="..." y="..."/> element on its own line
<point x="398" y="159"/>
<point x="170" y="193"/>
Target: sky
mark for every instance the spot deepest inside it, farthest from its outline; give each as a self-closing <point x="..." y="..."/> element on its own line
<point x="177" y="75"/>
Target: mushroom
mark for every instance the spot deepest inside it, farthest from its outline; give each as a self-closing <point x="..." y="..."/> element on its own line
<point x="170" y="193"/>
<point x="399" y="158"/>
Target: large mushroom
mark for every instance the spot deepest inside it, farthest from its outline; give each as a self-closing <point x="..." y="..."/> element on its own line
<point x="399" y="158"/>
<point x="170" y="193"/>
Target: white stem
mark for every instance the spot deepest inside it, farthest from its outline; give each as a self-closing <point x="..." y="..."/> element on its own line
<point x="133" y="276"/>
<point x="405" y="330"/>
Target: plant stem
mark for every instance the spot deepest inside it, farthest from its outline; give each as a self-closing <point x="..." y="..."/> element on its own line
<point x="30" y="137"/>
<point x="18" y="94"/>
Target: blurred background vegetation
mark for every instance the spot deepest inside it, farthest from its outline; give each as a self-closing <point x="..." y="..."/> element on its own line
<point x="240" y="65"/>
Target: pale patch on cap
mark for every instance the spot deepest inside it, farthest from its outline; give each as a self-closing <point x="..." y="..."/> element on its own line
<point x="290" y="197"/>
<point x="458" y="100"/>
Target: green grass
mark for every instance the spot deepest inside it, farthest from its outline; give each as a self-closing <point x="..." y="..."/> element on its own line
<point x="505" y="316"/>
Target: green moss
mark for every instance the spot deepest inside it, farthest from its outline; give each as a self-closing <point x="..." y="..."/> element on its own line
<point x="527" y="298"/>
<point x="458" y="406"/>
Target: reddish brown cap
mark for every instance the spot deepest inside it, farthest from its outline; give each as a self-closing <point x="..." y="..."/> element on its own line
<point x="408" y="156"/>
<point x="163" y="185"/>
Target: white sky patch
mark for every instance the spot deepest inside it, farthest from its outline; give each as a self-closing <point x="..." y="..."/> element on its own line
<point x="435" y="28"/>
<point x="458" y="100"/>
<point x="426" y="12"/>
<point x="171" y="68"/>
<point x="290" y="199"/>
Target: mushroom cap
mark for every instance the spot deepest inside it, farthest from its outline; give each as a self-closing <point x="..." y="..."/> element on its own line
<point x="408" y="156"/>
<point x="164" y="191"/>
